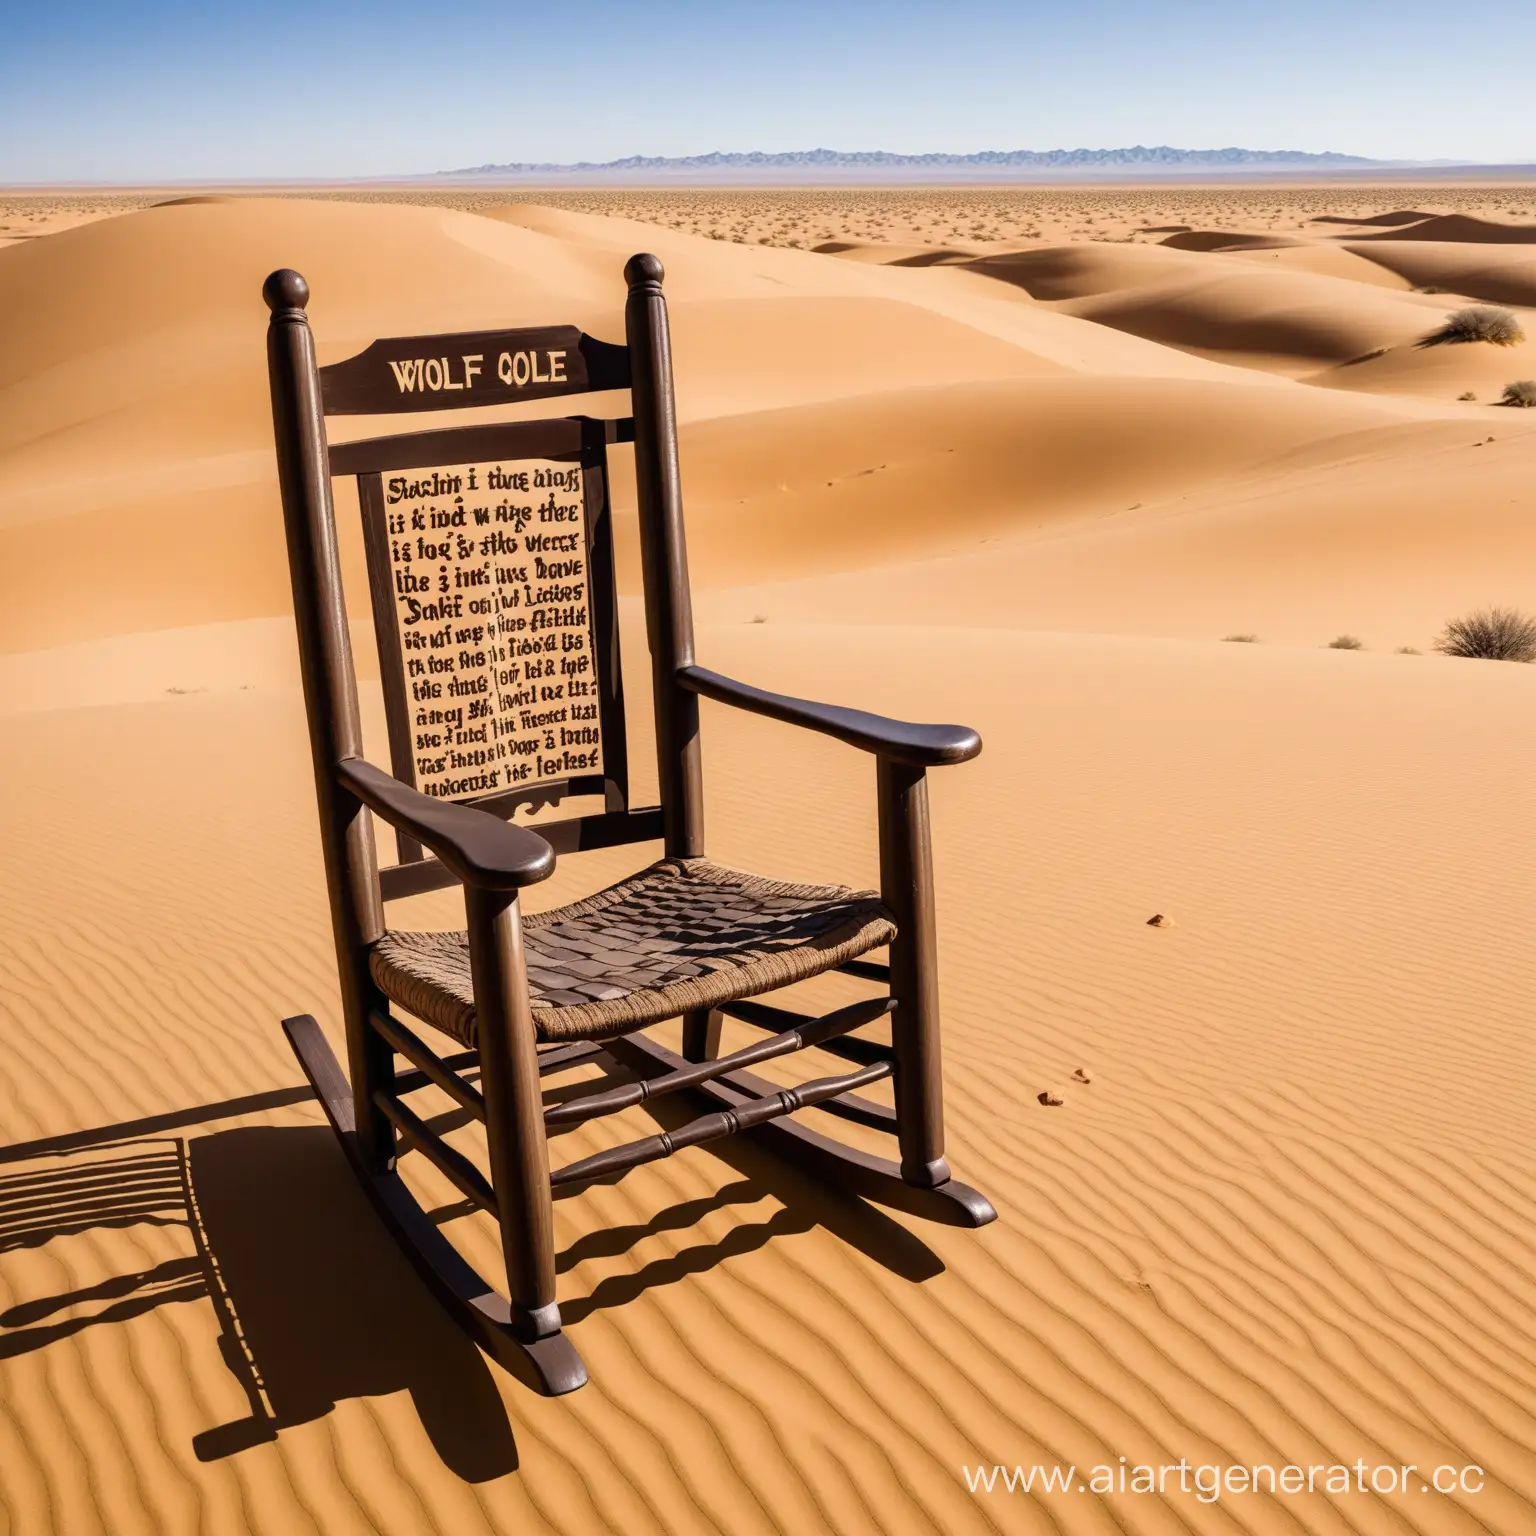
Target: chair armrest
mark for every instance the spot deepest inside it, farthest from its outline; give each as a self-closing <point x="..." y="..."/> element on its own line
<point x="482" y="850"/>
<point x="920" y="746"/>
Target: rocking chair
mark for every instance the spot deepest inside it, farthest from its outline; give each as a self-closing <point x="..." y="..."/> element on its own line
<point x="491" y="574"/>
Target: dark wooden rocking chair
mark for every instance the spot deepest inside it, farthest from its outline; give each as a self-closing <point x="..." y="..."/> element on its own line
<point x="491" y="571"/>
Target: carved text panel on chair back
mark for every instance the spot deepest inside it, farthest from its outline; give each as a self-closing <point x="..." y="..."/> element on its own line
<point x="490" y="566"/>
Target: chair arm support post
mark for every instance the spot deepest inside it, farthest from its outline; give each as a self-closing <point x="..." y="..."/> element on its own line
<point x="480" y="849"/>
<point x="906" y="887"/>
<point x="900" y="741"/>
<point x="514" y="1108"/>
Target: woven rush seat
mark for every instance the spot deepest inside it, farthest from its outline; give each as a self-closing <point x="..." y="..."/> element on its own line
<point x="680" y="935"/>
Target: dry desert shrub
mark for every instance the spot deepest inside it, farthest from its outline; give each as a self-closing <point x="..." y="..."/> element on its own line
<point x="1346" y="643"/>
<point x="1241" y="639"/>
<point x="1521" y="393"/>
<point x="1491" y="634"/>
<point x="1478" y="322"/>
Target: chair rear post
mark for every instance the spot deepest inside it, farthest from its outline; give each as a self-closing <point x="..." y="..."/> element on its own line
<point x="664" y="557"/>
<point x="330" y="694"/>
<point x="906" y="888"/>
<point x="514" y="1120"/>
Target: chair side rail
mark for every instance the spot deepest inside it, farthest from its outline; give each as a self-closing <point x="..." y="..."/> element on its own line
<point x="714" y="1127"/>
<point x="805" y="1034"/>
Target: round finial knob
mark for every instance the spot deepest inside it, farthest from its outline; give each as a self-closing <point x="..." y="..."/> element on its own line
<point x="644" y="268"/>
<point x="285" y="289"/>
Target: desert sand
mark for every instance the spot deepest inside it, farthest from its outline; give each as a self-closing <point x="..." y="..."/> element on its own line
<point x="1023" y="459"/>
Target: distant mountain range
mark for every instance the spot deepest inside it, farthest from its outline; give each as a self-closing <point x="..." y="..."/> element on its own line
<point x="990" y="164"/>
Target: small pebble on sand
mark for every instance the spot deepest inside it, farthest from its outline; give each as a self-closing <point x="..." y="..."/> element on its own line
<point x="1159" y="920"/>
<point x="1051" y="1097"/>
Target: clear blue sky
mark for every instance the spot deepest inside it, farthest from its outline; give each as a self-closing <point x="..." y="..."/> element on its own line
<point x="96" y="90"/>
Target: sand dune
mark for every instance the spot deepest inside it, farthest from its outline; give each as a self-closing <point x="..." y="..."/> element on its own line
<point x="144" y="428"/>
<point x="884" y="254"/>
<point x="128" y="372"/>
<point x="1383" y="536"/>
<point x="1323" y="258"/>
<point x="1299" y="253"/>
<point x="1283" y="306"/>
<point x="901" y="475"/>
<point x="1458" y="227"/>
<point x="1293" y="318"/>
<point x="1507" y="275"/>
<point x="1214" y="304"/>
<point x="1216" y="240"/>
<point x="1443" y="371"/>
<point x="869" y="343"/>
<point x="1086" y="271"/>
<point x="1391" y="220"/>
<point x="1288" y="1216"/>
<point x="1289" y="315"/>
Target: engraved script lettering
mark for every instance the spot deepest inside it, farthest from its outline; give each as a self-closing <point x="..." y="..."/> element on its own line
<point x="489" y="571"/>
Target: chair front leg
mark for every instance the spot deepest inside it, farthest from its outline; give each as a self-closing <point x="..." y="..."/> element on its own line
<point x="906" y="887"/>
<point x="514" y="1118"/>
<point x="701" y="1034"/>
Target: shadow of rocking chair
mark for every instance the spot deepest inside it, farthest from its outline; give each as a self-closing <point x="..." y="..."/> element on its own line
<point x="491" y="574"/>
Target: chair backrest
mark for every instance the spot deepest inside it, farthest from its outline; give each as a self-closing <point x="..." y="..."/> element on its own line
<point x="491" y="571"/>
<point x="490" y="564"/>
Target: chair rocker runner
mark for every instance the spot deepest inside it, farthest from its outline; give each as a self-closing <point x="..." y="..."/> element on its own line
<point x="491" y="576"/>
